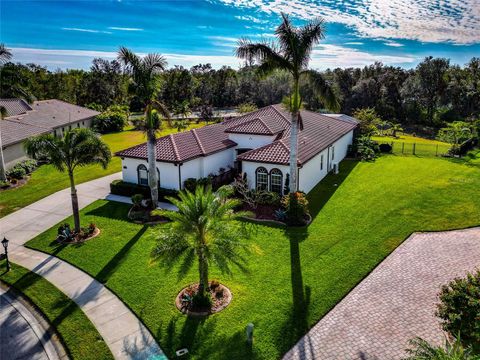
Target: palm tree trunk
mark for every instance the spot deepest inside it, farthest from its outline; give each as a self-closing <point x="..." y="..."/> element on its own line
<point x="203" y="272"/>
<point x="3" y="170"/>
<point x="293" y="152"/>
<point x="73" y="191"/>
<point x="152" y="169"/>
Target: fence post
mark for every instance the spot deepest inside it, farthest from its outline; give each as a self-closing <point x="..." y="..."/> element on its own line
<point x="403" y="147"/>
<point x="436" y="151"/>
<point x="414" y="145"/>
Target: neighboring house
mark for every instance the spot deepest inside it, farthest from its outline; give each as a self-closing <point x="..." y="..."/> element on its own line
<point x="47" y="116"/>
<point x="256" y="144"/>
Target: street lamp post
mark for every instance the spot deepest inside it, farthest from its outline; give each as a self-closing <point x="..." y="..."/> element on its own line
<point x="5" y="246"/>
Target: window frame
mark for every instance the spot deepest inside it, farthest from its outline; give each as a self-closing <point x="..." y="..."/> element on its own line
<point x="142" y="167"/>
<point x="263" y="171"/>
<point x="274" y="173"/>
<point x="321" y="162"/>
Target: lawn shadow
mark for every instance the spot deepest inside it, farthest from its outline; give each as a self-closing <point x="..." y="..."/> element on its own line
<point x="111" y="210"/>
<point x="320" y="194"/>
<point x="113" y="264"/>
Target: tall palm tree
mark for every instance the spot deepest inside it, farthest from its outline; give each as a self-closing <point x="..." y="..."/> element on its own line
<point x="143" y="72"/>
<point x="79" y="147"/>
<point x="5" y="54"/>
<point x="3" y="170"/>
<point x="291" y="52"/>
<point x="204" y="227"/>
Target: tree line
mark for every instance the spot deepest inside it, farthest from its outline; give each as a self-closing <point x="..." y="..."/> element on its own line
<point x="434" y="93"/>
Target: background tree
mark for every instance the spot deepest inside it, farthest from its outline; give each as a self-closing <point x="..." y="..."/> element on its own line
<point x="291" y="53"/>
<point x="143" y="73"/>
<point x="455" y="133"/>
<point x="79" y="147"/>
<point x="368" y="119"/>
<point x="205" y="228"/>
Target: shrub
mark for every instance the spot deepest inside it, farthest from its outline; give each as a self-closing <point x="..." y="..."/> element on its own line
<point x="268" y="198"/>
<point x="119" y="187"/>
<point x="17" y="172"/>
<point x="110" y="121"/>
<point x="296" y="206"/>
<point x="29" y="165"/>
<point x="385" y="148"/>
<point x="214" y="284"/>
<point x="365" y="148"/>
<point x="137" y="200"/>
<point x="460" y="309"/>
<point x="191" y="184"/>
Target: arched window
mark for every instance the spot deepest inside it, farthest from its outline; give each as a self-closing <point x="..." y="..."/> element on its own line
<point x="142" y="174"/>
<point x="276" y="181"/>
<point x="261" y="178"/>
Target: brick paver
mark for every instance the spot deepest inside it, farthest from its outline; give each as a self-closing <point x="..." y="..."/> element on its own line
<point x="396" y="302"/>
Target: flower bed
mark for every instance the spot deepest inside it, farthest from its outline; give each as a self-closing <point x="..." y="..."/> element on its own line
<point x="220" y="295"/>
<point x="83" y="235"/>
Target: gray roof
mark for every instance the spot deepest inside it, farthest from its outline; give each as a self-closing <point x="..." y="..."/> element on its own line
<point x="15" y="106"/>
<point x="43" y="117"/>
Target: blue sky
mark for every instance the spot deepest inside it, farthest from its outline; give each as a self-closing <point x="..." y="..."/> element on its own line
<point x="69" y="34"/>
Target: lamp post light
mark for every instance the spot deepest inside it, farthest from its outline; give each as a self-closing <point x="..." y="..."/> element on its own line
<point x="5" y="246"/>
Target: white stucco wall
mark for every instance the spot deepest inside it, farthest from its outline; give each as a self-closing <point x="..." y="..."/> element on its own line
<point x="310" y="173"/>
<point x="196" y="168"/>
<point x="246" y="141"/>
<point x="249" y="168"/>
<point x="13" y="154"/>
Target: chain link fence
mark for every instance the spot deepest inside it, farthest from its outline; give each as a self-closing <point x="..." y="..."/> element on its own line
<point x="418" y="149"/>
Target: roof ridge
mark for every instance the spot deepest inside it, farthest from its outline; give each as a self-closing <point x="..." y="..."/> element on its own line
<point x="265" y="124"/>
<point x="279" y="113"/>
<point x="241" y="123"/>
<point x="175" y="150"/>
<point x="197" y="139"/>
<point x="15" y="119"/>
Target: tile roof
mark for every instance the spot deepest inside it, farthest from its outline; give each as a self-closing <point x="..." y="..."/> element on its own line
<point x="42" y="117"/>
<point x="15" y="106"/>
<point x="186" y="145"/>
<point x="319" y="131"/>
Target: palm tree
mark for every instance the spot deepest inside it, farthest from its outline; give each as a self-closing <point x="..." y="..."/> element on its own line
<point x="5" y="54"/>
<point x="395" y="128"/>
<point x="79" y="147"/>
<point x="3" y="171"/>
<point x="143" y="72"/>
<point x="422" y="350"/>
<point x="291" y="52"/>
<point x="205" y="228"/>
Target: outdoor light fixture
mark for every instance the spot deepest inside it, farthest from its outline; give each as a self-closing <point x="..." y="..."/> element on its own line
<point x="5" y="246"/>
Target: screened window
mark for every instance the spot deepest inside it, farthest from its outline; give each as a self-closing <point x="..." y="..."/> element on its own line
<point x="261" y="178"/>
<point x="276" y="181"/>
<point x="142" y="173"/>
<point x="321" y="162"/>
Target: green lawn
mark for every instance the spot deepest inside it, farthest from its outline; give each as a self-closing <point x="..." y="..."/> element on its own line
<point x="46" y="180"/>
<point x="77" y="333"/>
<point x="407" y="144"/>
<point x="293" y="276"/>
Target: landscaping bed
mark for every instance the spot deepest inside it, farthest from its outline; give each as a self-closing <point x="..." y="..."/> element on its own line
<point x="220" y="296"/>
<point x="293" y="276"/>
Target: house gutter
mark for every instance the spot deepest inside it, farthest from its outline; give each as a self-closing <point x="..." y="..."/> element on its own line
<point x="179" y="175"/>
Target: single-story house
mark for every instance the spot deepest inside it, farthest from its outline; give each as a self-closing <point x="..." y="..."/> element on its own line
<point x="256" y="144"/>
<point x="25" y="120"/>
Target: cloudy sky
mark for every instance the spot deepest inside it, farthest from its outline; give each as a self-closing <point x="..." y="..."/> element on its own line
<point x="70" y="34"/>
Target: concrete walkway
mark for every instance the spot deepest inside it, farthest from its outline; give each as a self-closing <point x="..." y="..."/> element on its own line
<point x="396" y="302"/>
<point x="124" y="334"/>
<point x="24" y="333"/>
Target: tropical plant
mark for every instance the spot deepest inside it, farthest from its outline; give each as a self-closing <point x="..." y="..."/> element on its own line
<point x="459" y="309"/>
<point x="5" y="54"/>
<point x="296" y="208"/>
<point x="455" y="133"/>
<point x="79" y="147"/>
<point x="205" y="228"/>
<point x="368" y="119"/>
<point x="423" y="350"/>
<point x="110" y="121"/>
<point x="395" y="128"/>
<point x="291" y="53"/>
<point x="143" y="73"/>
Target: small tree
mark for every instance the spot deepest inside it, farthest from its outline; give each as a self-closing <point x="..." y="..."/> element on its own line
<point x="206" y="113"/>
<point x="394" y="128"/>
<point x="246" y="108"/>
<point x="455" y="133"/>
<point x="79" y="147"/>
<point x="460" y="309"/>
<point x="205" y="228"/>
<point x="368" y="119"/>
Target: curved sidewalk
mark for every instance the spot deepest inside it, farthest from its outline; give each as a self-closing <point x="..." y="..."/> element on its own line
<point x="122" y="331"/>
<point x="396" y="302"/>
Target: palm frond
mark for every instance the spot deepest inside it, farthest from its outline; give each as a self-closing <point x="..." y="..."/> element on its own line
<point x="322" y="90"/>
<point x="129" y="59"/>
<point x="5" y="54"/>
<point x="155" y="62"/>
<point x="264" y="53"/>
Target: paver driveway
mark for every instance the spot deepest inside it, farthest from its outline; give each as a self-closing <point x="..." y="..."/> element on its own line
<point x="395" y="303"/>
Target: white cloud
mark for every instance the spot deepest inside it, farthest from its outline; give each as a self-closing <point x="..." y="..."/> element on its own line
<point x="393" y="44"/>
<point x="251" y="19"/>
<point x="124" y="28"/>
<point x="354" y="43"/>
<point x="455" y="21"/>
<point x="86" y="30"/>
<point x="324" y="56"/>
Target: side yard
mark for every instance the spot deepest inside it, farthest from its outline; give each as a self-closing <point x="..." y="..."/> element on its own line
<point x="77" y="333"/>
<point x="46" y="180"/>
<point x="293" y="277"/>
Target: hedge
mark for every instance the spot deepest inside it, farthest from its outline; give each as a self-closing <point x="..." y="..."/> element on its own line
<point x="120" y="187"/>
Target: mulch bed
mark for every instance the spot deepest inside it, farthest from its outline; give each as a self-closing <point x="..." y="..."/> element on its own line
<point x="78" y="239"/>
<point x="221" y="298"/>
<point x="142" y="216"/>
<point x="262" y="212"/>
<point x="19" y="183"/>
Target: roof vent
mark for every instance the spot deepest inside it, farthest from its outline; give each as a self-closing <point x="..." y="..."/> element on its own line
<point x="53" y="117"/>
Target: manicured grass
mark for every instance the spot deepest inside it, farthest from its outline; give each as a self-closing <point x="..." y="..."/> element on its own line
<point x="77" y="333"/>
<point x="46" y="180"/>
<point x="293" y="276"/>
<point x="408" y="144"/>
